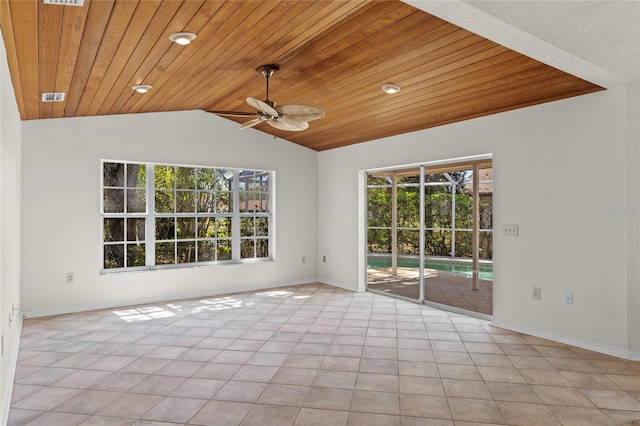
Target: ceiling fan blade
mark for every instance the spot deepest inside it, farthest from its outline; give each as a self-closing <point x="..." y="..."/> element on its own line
<point x="235" y="113"/>
<point x="262" y="107"/>
<point x="251" y="123"/>
<point x="286" y="123"/>
<point x="307" y="112"/>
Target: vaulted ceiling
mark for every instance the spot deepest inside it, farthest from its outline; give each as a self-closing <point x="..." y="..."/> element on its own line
<point x="335" y="55"/>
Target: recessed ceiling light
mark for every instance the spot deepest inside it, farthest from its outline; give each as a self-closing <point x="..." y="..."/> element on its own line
<point x="182" y="38"/>
<point x="391" y="88"/>
<point x="142" y="88"/>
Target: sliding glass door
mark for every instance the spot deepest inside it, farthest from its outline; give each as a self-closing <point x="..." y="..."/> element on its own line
<point x="429" y="234"/>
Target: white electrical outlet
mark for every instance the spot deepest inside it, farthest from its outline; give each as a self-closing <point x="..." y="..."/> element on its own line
<point x="537" y="292"/>
<point x="304" y="259"/>
<point x="568" y="298"/>
<point x="510" y="230"/>
<point x="69" y="277"/>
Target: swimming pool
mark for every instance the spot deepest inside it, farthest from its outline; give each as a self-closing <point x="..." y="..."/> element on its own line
<point x="456" y="266"/>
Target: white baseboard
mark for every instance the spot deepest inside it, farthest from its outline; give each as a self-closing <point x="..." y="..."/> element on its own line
<point x="6" y="404"/>
<point x="160" y="299"/>
<point x="569" y="340"/>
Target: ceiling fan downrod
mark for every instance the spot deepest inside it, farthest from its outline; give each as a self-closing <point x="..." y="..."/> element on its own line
<point x="267" y="71"/>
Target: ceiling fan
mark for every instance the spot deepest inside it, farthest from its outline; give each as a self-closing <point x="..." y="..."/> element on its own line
<point x="284" y="117"/>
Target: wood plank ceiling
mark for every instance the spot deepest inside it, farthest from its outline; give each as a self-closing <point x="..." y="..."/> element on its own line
<point x="335" y="55"/>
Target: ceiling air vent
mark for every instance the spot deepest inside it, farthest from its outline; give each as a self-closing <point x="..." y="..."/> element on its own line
<point x="65" y="2"/>
<point x="53" y="97"/>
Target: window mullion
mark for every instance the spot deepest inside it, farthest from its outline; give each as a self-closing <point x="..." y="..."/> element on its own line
<point x="235" y="221"/>
<point x="151" y="217"/>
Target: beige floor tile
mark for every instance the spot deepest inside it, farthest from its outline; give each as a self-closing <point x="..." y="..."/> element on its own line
<point x="240" y="391"/>
<point x="46" y="399"/>
<point x="52" y="418"/>
<point x="112" y="362"/>
<point x="375" y="402"/>
<point x="414" y="344"/>
<point x="255" y="373"/>
<point x="261" y="415"/>
<point x="46" y="376"/>
<point x="544" y="377"/>
<point x="132" y="406"/>
<point x="621" y="417"/>
<point x="573" y="416"/>
<point x="335" y="379"/>
<point x="87" y="402"/>
<point x="571" y="364"/>
<point x="19" y="417"/>
<point x="158" y="385"/>
<point x="446" y="357"/>
<point x="514" y="392"/>
<point x="340" y="363"/>
<point x="616" y="367"/>
<point x="218" y="371"/>
<point x="275" y="394"/>
<point x="433" y="407"/>
<point x="328" y="398"/>
<point x="612" y="399"/>
<point x="294" y="376"/>
<point x="417" y="368"/>
<point x="439" y="345"/>
<point x="303" y="361"/>
<point x="368" y="419"/>
<point x="215" y="413"/>
<point x="421" y="421"/>
<point x="377" y="382"/>
<point x="277" y="347"/>
<point x="523" y="414"/>
<point x="233" y="357"/>
<point x="145" y="365"/>
<point x="379" y="352"/>
<point x="475" y="410"/>
<point x="483" y="348"/>
<point x="424" y="355"/>
<point x="22" y="391"/>
<point x="455" y="371"/>
<point x="466" y="389"/>
<point x="181" y="368"/>
<point x="119" y="382"/>
<point x="592" y="380"/>
<point x="501" y="374"/>
<point x="345" y="350"/>
<point x="559" y="395"/>
<point x="491" y="360"/>
<point x="421" y="385"/>
<point x="198" y="388"/>
<point x="174" y="409"/>
<point x="530" y="362"/>
<point x="627" y="383"/>
<point x="316" y="417"/>
<point x="380" y="366"/>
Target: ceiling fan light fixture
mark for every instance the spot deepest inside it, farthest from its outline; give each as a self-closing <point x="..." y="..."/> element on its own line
<point x="391" y="88"/>
<point x="182" y="38"/>
<point x="141" y="88"/>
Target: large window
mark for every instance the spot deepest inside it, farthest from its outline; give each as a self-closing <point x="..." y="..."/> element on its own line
<point x="155" y="215"/>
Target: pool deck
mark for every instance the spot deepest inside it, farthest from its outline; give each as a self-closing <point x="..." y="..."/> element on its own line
<point x="440" y="287"/>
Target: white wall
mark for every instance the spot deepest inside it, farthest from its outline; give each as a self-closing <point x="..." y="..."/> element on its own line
<point x="10" y="164"/>
<point x="61" y="207"/>
<point x="633" y="217"/>
<point x="558" y="169"/>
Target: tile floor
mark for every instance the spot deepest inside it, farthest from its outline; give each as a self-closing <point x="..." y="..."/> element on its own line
<point x="307" y="355"/>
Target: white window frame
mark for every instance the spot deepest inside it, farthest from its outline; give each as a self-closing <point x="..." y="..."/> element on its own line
<point x="151" y="215"/>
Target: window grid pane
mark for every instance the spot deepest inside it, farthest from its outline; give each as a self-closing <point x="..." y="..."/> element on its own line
<point x="193" y="214"/>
